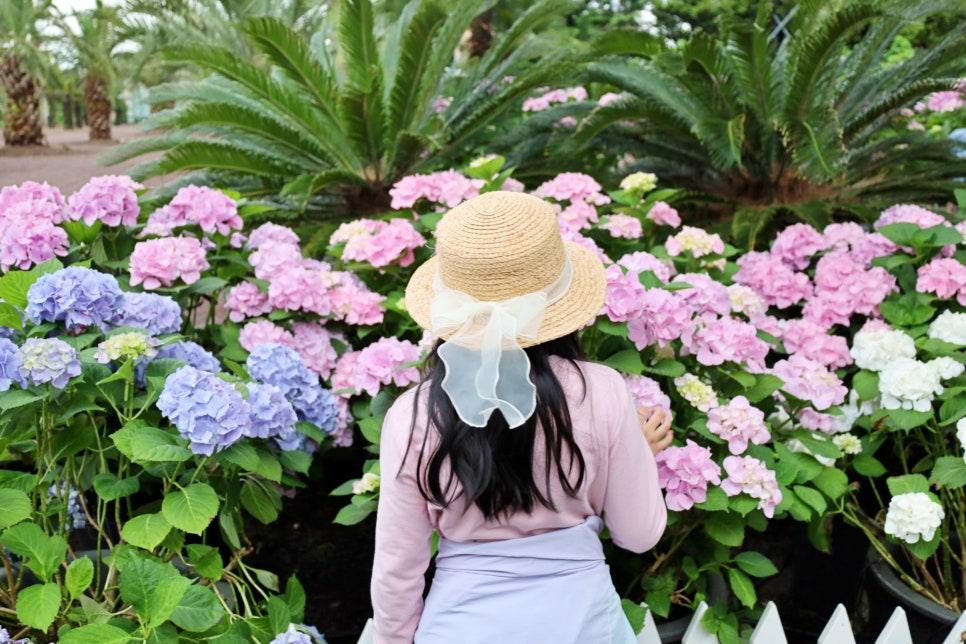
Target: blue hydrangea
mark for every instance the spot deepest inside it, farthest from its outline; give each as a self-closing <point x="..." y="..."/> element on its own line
<point x="281" y="366"/>
<point x="191" y="352"/>
<point x="75" y="513"/>
<point x="154" y="313"/>
<point x="9" y="364"/>
<point x="6" y="639"/>
<point x="47" y="360"/>
<point x="293" y="635"/>
<point x="272" y="415"/>
<point x="77" y="296"/>
<point x="205" y="409"/>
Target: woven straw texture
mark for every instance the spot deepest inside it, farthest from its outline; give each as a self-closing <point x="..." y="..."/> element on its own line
<point x="506" y="244"/>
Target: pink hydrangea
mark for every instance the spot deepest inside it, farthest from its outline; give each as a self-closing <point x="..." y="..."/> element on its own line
<point x="314" y="345"/>
<point x="26" y="240"/>
<point x="246" y="300"/>
<point x="751" y="476"/>
<point x="573" y="235"/>
<point x="272" y="232"/>
<point x="357" y="305"/>
<point x="31" y="191"/>
<point x="623" y="226"/>
<point x="262" y="332"/>
<point x="776" y="283"/>
<point x="743" y="299"/>
<point x="512" y="185"/>
<point x="342" y="435"/>
<point x="579" y="215"/>
<point x="947" y="101"/>
<point x="647" y="393"/>
<point x="705" y="295"/>
<point x="664" y="215"/>
<point x="813" y="341"/>
<point x="738" y="422"/>
<point x="839" y="276"/>
<point x="343" y="377"/>
<point x="386" y="361"/>
<point x="572" y="186"/>
<point x="910" y="214"/>
<point x="945" y="277"/>
<point x="355" y="228"/>
<point x="684" y="473"/>
<point x="642" y="261"/>
<point x="625" y="295"/>
<point x="111" y="199"/>
<point x="211" y="209"/>
<point x="720" y="339"/>
<point x="664" y="317"/>
<point x="816" y="420"/>
<point x="390" y="242"/>
<point x="694" y="241"/>
<point x="299" y="289"/>
<point x="607" y="98"/>
<point x="237" y="240"/>
<point x="159" y="262"/>
<point x="829" y="309"/>
<point x="810" y="380"/>
<point x="448" y="188"/>
<point x="797" y="244"/>
<point x="543" y="102"/>
<point x="274" y="257"/>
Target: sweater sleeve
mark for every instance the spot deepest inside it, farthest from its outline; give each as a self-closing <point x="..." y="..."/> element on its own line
<point x="634" y="509"/>
<point x="403" y="534"/>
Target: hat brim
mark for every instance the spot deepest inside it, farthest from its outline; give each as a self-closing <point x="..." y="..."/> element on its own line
<point x="581" y="304"/>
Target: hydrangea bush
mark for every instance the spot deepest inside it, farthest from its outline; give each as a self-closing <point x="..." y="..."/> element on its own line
<point x="129" y="452"/>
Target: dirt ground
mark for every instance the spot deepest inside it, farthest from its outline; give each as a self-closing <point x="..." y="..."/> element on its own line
<point x="68" y="161"/>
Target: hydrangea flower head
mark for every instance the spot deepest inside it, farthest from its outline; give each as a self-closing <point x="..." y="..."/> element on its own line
<point x="665" y="317"/>
<point x="111" y="199"/>
<point x="875" y="348"/>
<point x="272" y="415"/>
<point x="47" y="360"/>
<point x="281" y="366"/>
<point x="9" y="363"/>
<point x="392" y="242"/>
<point x="367" y="484"/>
<point x="738" y="422"/>
<point x="447" y="188"/>
<point x="263" y="332"/>
<point x="313" y="342"/>
<point x="292" y="635"/>
<point x="663" y="214"/>
<point x="274" y="257"/>
<point x="212" y="210"/>
<point x="623" y="226"/>
<point x="77" y="296"/>
<point x="721" y="339"/>
<point x="160" y="262"/>
<point x="208" y="411"/>
<point x="773" y="280"/>
<point x="908" y="213"/>
<point x="272" y="232"/>
<point x="152" y="312"/>
<point x="186" y="351"/>
<point x="702" y="396"/>
<point x="946" y="277"/>
<point x="386" y="361"/>
<point x="684" y="473"/>
<point x="126" y="346"/>
<point x="913" y="516"/>
<point x="572" y="186"/>
<point x="796" y="245"/>
<point x="751" y="476"/>
<point x="906" y="383"/>
<point x="624" y="299"/>
<point x="28" y="239"/>
<point x="647" y="393"/>
<point x="694" y="241"/>
<point x="31" y="191"/>
<point x="640" y="261"/>
<point x="810" y="380"/>
<point x="949" y="327"/>
<point x="640" y="183"/>
<point x="246" y="300"/>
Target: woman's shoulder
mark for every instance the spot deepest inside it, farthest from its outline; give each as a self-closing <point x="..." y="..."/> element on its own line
<point x="598" y="380"/>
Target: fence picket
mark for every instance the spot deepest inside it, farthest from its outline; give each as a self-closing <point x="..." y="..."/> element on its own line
<point x="839" y="629"/>
<point x="769" y="629"/>
<point x="896" y="630"/>
<point x="958" y="634"/>
<point x="648" y="634"/>
<point x="697" y="633"/>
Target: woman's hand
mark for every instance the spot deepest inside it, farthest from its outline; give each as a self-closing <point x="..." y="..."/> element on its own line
<point x="656" y="425"/>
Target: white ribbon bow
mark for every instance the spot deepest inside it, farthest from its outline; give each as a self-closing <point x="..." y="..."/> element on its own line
<point x="486" y="368"/>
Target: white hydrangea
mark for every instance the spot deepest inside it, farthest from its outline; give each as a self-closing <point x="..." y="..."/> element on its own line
<point x="909" y="384"/>
<point x="851" y="412"/>
<point x="368" y="483"/>
<point x="848" y="443"/>
<point x="745" y="300"/>
<point x="949" y="327"/>
<point x="876" y="349"/>
<point x="696" y="392"/>
<point x="961" y="434"/>
<point x="946" y="367"/>
<point x="913" y="516"/>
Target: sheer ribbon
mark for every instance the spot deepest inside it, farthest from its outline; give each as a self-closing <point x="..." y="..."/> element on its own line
<point x="486" y="369"/>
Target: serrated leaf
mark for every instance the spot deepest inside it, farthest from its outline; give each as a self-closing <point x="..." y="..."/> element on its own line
<point x="80" y="574"/>
<point x="756" y="564"/>
<point x="908" y="418"/>
<point x="43" y="553"/>
<point x="139" y="577"/>
<point x="813" y="498"/>
<point x="146" y="530"/>
<point x="95" y="634"/>
<point x="867" y="465"/>
<point x="725" y="528"/>
<point x="38" y="605"/>
<point x="15" y="506"/>
<point x="110" y="488"/>
<point x="192" y="508"/>
<point x="199" y="610"/>
<point x="164" y="599"/>
<point x="153" y="445"/>
<point x="666" y="367"/>
<point x="832" y="482"/>
<point x="627" y="361"/>
<point x="635" y="614"/>
<point x="907" y="483"/>
<point x="14" y="398"/>
<point x="295" y="598"/>
<point x="262" y="503"/>
<point x="14" y="286"/>
<point x="949" y="472"/>
<point x="206" y="560"/>
<point x="241" y="454"/>
<point x="742" y="587"/>
<point x="716" y="500"/>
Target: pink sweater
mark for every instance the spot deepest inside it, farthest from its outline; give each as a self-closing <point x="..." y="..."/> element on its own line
<point x="620" y="483"/>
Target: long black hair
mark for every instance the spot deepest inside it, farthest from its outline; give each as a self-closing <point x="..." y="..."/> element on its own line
<point x="494" y="464"/>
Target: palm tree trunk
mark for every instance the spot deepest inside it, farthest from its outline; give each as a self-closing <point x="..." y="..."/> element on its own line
<point x="97" y="97"/>
<point x="21" y="118"/>
<point x="68" y="104"/>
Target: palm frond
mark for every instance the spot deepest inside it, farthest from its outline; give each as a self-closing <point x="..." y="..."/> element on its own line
<point x="537" y="14"/>
<point x="364" y="118"/>
<point x="357" y="39"/>
<point x="221" y="155"/>
<point x="627" y="42"/>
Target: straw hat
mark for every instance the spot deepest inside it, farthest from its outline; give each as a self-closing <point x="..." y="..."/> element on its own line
<point x="506" y="244"/>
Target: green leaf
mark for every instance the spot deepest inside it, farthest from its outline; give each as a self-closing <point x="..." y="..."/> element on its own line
<point x="907" y="483"/>
<point x="80" y="574"/>
<point x="110" y="488"/>
<point x="765" y="386"/>
<point x="10" y="316"/>
<point x="627" y="361"/>
<point x="907" y="311"/>
<point x="725" y="528"/>
<point x="165" y="598"/>
<point x="666" y="367"/>
<point x="618" y="329"/>
<point x="15" y="506"/>
<point x="868" y="465"/>
<point x="14" y="286"/>
<point x="371" y="429"/>
<point x="268" y="466"/>
<point x="192" y="508"/>
<point x="241" y="454"/>
<point x="153" y="445"/>
<point x="296" y="460"/>
<point x="742" y="587"/>
<point x="952" y="410"/>
<point x="924" y="549"/>
<point x="261" y="501"/>
<point x="353" y="514"/>
<point x="635" y="613"/>
<point x="206" y="560"/>
<point x="658" y="590"/>
<point x="138" y="579"/>
<point x="812" y="497"/>
<point x="295" y="598"/>
<point x="866" y="384"/>
<point x="95" y="634"/>
<point x="166" y="633"/>
<point x="756" y="564"/>
<point x="17" y="398"/>
<point x="38" y="605"/>
<point x="44" y="553"/>
<point x="949" y="472"/>
<point x="199" y="610"/>
<point x="279" y="616"/>
<point x="832" y="481"/>
<point x="146" y="530"/>
<point x="207" y="285"/>
<point x="817" y="444"/>
<point x="716" y="500"/>
<point x="901" y="233"/>
<point x="908" y="418"/>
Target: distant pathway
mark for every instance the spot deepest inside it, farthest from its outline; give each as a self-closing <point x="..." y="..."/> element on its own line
<point x="68" y="162"/>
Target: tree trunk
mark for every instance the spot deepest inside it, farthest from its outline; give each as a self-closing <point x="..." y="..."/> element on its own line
<point x="98" y="100"/>
<point x="68" y="104"/>
<point x="78" y="114"/>
<point x="21" y="118"/>
<point x="51" y="110"/>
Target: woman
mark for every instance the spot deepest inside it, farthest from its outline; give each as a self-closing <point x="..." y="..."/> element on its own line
<point x="513" y="447"/>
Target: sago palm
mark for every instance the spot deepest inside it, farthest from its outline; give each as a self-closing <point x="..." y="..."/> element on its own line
<point x="334" y="128"/>
<point x="21" y="69"/>
<point x="787" y="121"/>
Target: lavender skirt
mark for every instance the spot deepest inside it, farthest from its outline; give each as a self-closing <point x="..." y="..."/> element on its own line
<point x="553" y="587"/>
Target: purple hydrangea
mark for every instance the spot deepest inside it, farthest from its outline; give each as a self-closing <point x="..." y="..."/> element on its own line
<point x="9" y="363"/>
<point x="278" y="365"/>
<point x="47" y="360"/>
<point x="154" y="313"/>
<point x="110" y="198"/>
<point x="210" y="412"/>
<point x="272" y="415"/>
<point x="191" y="352"/>
<point x="293" y="635"/>
<point x="78" y="296"/>
<point x="6" y="639"/>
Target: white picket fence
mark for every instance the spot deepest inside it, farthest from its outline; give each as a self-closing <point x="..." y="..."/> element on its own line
<point x="769" y="630"/>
